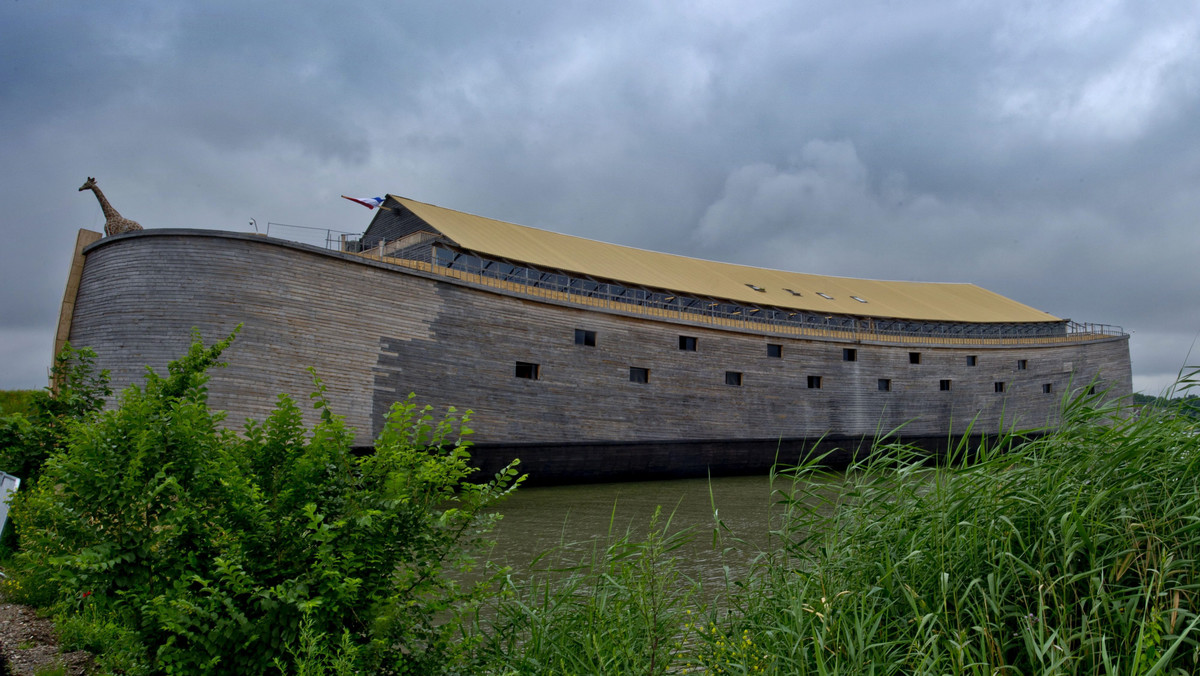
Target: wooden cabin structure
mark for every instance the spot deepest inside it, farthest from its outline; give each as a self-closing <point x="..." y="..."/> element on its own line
<point x="587" y="360"/>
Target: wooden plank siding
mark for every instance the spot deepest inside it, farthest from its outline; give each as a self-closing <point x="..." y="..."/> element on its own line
<point x="375" y="331"/>
<point x="82" y="239"/>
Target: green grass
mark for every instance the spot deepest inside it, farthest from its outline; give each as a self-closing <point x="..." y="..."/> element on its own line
<point x="15" y="401"/>
<point x="620" y="611"/>
<point x="1077" y="552"/>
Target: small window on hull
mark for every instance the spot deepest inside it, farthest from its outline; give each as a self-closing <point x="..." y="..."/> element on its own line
<point x="639" y="375"/>
<point x="1047" y="388"/>
<point x="849" y="354"/>
<point x="687" y="343"/>
<point x="972" y="360"/>
<point x="814" y="382"/>
<point x="914" y="357"/>
<point x="583" y="337"/>
<point x="733" y="378"/>
<point x="944" y="385"/>
<point x="1022" y="364"/>
<point x="1001" y="386"/>
<point x="775" y="351"/>
<point x="885" y="385"/>
<point x="528" y="371"/>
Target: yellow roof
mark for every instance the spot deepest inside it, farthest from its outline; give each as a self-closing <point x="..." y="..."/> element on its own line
<point x="692" y="276"/>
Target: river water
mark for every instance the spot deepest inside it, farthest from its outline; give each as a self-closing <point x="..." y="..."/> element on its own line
<point x="574" y="518"/>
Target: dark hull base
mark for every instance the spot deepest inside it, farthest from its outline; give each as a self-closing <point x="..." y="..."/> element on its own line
<point x="578" y="463"/>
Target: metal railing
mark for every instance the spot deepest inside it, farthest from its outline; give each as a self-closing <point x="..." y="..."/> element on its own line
<point x="557" y="286"/>
<point x="335" y="240"/>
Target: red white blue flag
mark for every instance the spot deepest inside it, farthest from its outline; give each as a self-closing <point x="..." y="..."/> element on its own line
<point x="368" y="202"/>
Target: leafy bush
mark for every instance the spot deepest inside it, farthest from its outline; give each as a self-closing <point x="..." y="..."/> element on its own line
<point x="28" y="437"/>
<point x="217" y="549"/>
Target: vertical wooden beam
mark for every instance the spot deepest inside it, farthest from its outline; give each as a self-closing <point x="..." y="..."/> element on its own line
<point x="67" y="311"/>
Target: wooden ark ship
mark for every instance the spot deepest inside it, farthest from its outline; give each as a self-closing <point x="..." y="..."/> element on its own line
<point x="589" y="361"/>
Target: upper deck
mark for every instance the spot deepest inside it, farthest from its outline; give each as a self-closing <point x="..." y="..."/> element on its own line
<point x="551" y="266"/>
<point x="722" y="313"/>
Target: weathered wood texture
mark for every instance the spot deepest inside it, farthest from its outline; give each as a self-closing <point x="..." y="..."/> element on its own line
<point x="375" y="332"/>
<point x="67" y="311"/>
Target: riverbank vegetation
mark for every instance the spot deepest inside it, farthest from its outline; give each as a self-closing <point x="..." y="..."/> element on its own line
<point x="171" y="546"/>
<point x="16" y="401"/>
<point x="1073" y="553"/>
<point x="1186" y="405"/>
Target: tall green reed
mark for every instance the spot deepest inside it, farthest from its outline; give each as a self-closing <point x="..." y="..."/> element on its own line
<point x="1072" y="551"/>
<point x="622" y="610"/>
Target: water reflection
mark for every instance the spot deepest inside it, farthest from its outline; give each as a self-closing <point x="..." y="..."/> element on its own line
<point x="576" y="517"/>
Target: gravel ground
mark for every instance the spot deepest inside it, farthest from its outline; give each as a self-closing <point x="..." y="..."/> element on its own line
<point x="28" y="644"/>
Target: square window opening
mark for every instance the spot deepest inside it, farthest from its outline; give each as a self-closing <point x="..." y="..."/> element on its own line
<point x="849" y="354"/>
<point x="733" y="378"/>
<point x="914" y="357"/>
<point x="1022" y="364"/>
<point x="774" y="350"/>
<point x="1000" y="386"/>
<point x="814" y="382"/>
<point x="528" y="370"/>
<point x="972" y="360"/>
<point x="1047" y="388"/>
<point x="584" y="337"/>
<point x="885" y="385"/>
<point x="944" y="385"/>
<point x="687" y="343"/>
<point x="639" y="375"/>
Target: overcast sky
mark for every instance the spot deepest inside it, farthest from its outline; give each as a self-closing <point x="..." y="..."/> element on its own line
<point x="1048" y="151"/>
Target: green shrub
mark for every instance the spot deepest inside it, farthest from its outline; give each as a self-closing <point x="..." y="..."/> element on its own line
<point x="218" y="549"/>
<point x="29" y="436"/>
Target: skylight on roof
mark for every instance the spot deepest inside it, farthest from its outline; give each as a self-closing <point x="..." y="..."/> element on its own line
<point x="794" y="293"/>
<point x="858" y="299"/>
<point x="757" y="288"/>
<point x="828" y="297"/>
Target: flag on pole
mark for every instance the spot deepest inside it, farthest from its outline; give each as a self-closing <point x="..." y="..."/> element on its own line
<point x="368" y="202"/>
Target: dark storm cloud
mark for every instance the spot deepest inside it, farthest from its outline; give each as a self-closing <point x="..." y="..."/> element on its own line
<point x="1047" y="152"/>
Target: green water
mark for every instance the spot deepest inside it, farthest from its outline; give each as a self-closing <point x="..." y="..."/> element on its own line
<point x="577" y="517"/>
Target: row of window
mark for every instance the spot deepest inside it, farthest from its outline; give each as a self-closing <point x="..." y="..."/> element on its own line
<point x="443" y="256"/>
<point x="688" y="344"/>
<point x="641" y="375"/>
<point x="851" y="354"/>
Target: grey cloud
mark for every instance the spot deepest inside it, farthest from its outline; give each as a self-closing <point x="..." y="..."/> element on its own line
<point x="1046" y="151"/>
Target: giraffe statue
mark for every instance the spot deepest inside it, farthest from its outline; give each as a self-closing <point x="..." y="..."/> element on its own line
<point x="114" y="223"/>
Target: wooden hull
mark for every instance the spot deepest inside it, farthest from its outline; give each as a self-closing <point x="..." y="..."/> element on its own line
<point x="374" y="332"/>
